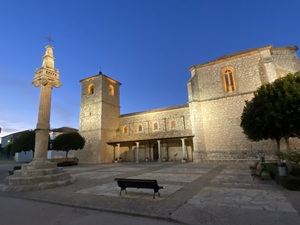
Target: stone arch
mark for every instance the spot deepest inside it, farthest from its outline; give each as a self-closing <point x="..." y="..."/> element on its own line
<point x="228" y="77"/>
<point x="111" y="90"/>
<point x="91" y="89"/>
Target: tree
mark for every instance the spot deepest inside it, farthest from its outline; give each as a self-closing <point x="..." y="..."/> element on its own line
<point x="274" y="111"/>
<point x="68" y="141"/>
<point x="288" y="89"/>
<point x="24" y="142"/>
<point x="7" y="150"/>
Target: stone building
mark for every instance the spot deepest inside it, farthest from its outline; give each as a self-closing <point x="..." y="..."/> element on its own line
<point x="207" y="127"/>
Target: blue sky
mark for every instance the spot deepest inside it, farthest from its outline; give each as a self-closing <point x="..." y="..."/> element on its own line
<point x="147" y="45"/>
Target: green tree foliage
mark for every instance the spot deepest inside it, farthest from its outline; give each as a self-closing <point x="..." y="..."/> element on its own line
<point x="68" y="141"/>
<point x="274" y="112"/>
<point x="24" y="142"/>
<point x="7" y="150"/>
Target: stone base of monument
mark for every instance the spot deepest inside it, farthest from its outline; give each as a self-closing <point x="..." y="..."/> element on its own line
<point x="37" y="175"/>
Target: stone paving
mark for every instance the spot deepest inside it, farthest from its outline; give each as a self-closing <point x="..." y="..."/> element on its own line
<point x="192" y="194"/>
<point x="242" y="198"/>
<point x="111" y="189"/>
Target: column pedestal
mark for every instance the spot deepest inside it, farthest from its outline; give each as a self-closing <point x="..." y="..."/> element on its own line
<point x="37" y="175"/>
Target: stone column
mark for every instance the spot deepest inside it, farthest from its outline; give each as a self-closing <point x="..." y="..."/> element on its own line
<point x="118" y="151"/>
<point x="137" y="152"/>
<point x="43" y="124"/>
<point x="151" y="152"/>
<point x="114" y="159"/>
<point x="183" y="149"/>
<point x="158" y="149"/>
<point x="40" y="173"/>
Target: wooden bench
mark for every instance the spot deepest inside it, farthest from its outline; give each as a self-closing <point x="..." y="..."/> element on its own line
<point x="11" y="172"/>
<point x="124" y="183"/>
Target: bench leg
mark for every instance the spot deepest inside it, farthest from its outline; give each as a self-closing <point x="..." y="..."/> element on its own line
<point x="155" y="193"/>
<point x="123" y="189"/>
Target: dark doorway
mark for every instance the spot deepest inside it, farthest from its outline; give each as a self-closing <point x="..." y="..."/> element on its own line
<point x="155" y="152"/>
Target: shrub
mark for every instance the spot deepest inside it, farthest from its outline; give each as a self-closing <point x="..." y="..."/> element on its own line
<point x="295" y="170"/>
<point x="273" y="171"/>
<point x="292" y="156"/>
<point x="291" y="183"/>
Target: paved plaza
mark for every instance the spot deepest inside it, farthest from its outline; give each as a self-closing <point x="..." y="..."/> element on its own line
<point x="193" y="194"/>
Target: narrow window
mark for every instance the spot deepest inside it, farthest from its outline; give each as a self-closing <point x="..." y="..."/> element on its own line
<point x="91" y="89"/>
<point x="111" y="90"/>
<point x="140" y="128"/>
<point x="173" y="124"/>
<point x="228" y="79"/>
<point x="231" y="80"/>
<point x="125" y="130"/>
<point x="155" y="126"/>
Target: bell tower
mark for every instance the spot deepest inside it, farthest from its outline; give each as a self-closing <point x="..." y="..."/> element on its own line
<point x="99" y="117"/>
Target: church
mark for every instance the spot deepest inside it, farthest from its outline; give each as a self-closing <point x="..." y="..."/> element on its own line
<point x="207" y="127"/>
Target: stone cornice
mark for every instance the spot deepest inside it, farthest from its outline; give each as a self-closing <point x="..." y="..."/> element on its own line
<point x="227" y="96"/>
<point x="99" y="75"/>
<point x="241" y="54"/>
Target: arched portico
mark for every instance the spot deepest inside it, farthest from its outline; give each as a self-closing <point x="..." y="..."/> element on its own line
<point x="155" y="150"/>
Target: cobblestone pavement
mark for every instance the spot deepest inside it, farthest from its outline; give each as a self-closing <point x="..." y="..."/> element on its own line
<point x="192" y="194"/>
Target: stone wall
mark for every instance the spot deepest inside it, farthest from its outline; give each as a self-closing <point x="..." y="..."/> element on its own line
<point x="208" y="79"/>
<point x="215" y="113"/>
<point x="222" y="131"/>
<point x="163" y="117"/>
<point x="171" y="149"/>
<point x="285" y="61"/>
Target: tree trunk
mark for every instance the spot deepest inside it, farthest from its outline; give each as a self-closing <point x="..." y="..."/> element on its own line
<point x="287" y="141"/>
<point x="278" y="145"/>
<point x="67" y="152"/>
<point x="278" y="150"/>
